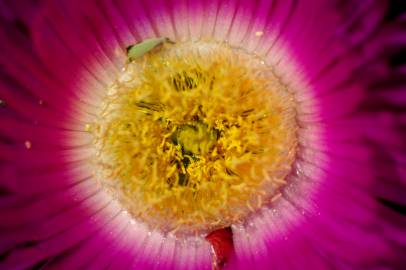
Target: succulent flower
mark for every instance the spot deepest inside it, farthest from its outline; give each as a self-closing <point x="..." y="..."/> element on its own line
<point x="202" y="134"/>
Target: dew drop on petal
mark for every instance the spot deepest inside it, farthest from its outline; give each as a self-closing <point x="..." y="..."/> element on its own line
<point x="28" y="144"/>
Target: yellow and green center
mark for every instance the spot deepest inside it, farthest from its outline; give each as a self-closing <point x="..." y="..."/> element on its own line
<point x="195" y="136"/>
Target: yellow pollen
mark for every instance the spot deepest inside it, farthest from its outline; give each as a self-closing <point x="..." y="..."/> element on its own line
<point x="88" y="127"/>
<point x="259" y="33"/>
<point x="195" y="137"/>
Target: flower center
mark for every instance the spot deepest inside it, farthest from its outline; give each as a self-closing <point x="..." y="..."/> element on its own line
<point x="195" y="136"/>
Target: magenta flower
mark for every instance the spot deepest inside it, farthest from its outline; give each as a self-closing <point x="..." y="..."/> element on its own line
<point x="250" y="134"/>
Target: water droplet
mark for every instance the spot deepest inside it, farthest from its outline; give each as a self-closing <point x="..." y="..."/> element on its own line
<point x="259" y="33"/>
<point x="28" y="144"/>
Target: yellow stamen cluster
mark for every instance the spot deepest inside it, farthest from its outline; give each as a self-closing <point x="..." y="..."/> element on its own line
<point x="195" y="137"/>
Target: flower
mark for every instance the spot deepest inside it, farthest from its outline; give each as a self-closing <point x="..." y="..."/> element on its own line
<point x="256" y="134"/>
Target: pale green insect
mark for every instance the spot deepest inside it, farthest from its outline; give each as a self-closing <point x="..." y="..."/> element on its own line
<point x="141" y="48"/>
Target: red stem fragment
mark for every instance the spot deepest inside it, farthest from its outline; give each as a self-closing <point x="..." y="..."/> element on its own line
<point x="222" y="244"/>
